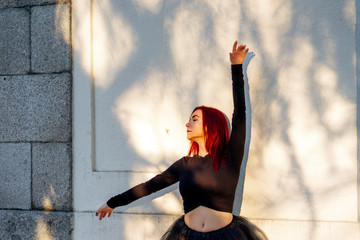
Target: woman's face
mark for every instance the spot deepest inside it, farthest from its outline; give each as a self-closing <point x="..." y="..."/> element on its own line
<point x="195" y="127"/>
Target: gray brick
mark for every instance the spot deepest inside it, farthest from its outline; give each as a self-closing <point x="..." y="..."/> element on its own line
<point x="22" y="3"/>
<point x="50" y="36"/>
<point x="14" y="41"/>
<point x="11" y="3"/>
<point x="7" y="3"/>
<point x="15" y="176"/>
<point x="41" y="2"/>
<point x="35" y="108"/>
<point x="51" y="176"/>
<point x="16" y="225"/>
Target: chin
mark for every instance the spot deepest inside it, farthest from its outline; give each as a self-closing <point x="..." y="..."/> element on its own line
<point x="190" y="138"/>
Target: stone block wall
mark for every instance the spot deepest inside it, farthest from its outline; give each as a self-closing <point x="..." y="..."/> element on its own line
<point x="35" y="119"/>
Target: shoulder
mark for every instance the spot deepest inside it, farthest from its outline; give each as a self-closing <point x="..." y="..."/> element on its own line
<point x="181" y="162"/>
<point x="186" y="161"/>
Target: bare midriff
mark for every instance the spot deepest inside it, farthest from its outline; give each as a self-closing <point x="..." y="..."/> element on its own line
<point x="203" y="219"/>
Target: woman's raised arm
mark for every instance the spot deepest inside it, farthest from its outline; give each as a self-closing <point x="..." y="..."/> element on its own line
<point x="237" y="139"/>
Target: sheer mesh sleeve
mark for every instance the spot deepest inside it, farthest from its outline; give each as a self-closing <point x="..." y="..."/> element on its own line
<point x="160" y="181"/>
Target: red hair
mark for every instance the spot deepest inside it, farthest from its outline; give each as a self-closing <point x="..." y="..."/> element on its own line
<point x="216" y="133"/>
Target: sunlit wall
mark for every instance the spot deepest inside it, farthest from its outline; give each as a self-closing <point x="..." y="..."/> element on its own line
<point x="147" y="63"/>
<point x="303" y="155"/>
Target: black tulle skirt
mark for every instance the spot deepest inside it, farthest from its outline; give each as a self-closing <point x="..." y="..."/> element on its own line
<point x="239" y="229"/>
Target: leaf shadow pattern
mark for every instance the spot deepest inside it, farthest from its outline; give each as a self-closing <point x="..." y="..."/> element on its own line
<point x="288" y="92"/>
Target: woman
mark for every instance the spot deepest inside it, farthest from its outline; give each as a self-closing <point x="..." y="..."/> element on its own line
<point x="208" y="175"/>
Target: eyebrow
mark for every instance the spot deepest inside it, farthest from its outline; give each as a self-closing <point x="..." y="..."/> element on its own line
<point x="193" y="116"/>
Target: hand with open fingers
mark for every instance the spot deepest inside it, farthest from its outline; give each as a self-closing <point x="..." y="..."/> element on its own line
<point x="238" y="53"/>
<point x="103" y="211"/>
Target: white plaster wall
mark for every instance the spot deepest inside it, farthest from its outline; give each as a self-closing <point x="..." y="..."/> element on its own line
<point x="154" y="62"/>
<point x="150" y="62"/>
<point x="303" y="154"/>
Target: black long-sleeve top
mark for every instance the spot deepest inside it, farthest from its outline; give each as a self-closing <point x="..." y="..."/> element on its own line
<point x="199" y="184"/>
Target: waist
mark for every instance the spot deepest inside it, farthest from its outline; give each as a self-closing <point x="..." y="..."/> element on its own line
<point x="204" y="219"/>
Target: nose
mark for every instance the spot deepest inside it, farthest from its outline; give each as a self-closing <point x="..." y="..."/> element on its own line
<point x="187" y="124"/>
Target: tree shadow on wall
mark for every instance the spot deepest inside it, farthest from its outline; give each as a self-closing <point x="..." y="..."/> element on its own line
<point x="175" y="60"/>
<point x="306" y="69"/>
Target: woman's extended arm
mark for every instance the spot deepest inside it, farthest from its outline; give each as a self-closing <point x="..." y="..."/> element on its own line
<point x="237" y="138"/>
<point x="160" y="181"/>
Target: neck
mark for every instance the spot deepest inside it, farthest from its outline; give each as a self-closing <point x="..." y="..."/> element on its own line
<point x="202" y="149"/>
